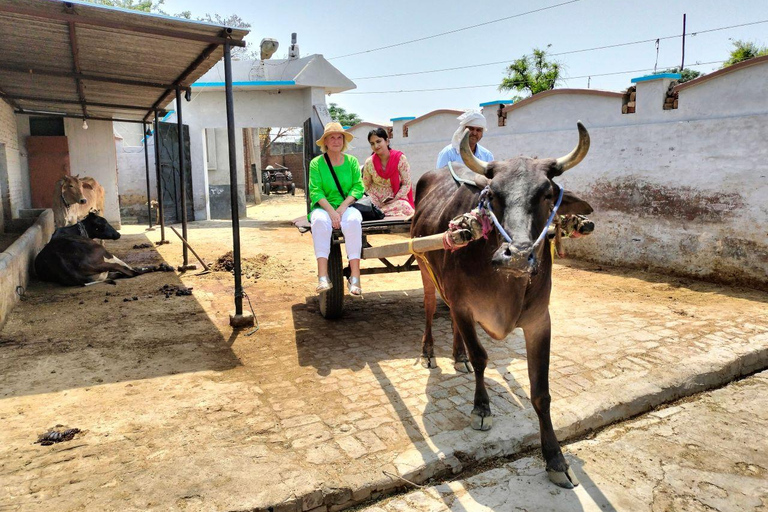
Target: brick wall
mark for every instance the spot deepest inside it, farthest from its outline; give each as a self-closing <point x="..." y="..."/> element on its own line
<point x="293" y="161"/>
<point x="10" y="140"/>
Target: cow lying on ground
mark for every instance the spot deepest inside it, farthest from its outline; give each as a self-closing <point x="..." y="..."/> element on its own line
<point x="74" y="198"/>
<point x="499" y="284"/>
<point x="92" y="226"/>
<point x="72" y="259"/>
<point x="67" y="197"/>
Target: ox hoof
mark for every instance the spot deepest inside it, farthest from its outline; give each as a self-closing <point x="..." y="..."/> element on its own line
<point x="428" y="362"/>
<point x="481" y="422"/>
<point x="566" y="479"/>
<point x="463" y="367"/>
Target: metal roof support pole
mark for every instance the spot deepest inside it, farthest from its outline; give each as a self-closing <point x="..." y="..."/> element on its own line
<point x="146" y="167"/>
<point x="236" y="319"/>
<point x="159" y="183"/>
<point x="183" y="175"/>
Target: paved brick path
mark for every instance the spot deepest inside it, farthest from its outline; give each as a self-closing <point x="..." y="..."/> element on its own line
<point x="707" y="454"/>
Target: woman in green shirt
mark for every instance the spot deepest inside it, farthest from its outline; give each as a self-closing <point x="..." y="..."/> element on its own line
<point x="330" y="209"/>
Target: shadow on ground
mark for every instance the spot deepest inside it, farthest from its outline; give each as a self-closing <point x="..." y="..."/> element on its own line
<point x="60" y="338"/>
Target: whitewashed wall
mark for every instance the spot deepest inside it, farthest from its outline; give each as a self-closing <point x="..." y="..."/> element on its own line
<point x="131" y="168"/>
<point x="92" y="153"/>
<point x="683" y="191"/>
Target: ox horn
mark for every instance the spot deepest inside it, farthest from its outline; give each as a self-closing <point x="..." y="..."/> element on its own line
<point x="469" y="158"/>
<point x="573" y="158"/>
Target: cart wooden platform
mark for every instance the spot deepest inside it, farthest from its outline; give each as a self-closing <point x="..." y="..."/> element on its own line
<point x="332" y="301"/>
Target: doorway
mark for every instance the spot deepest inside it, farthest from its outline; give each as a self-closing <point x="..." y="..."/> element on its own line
<point x="170" y="174"/>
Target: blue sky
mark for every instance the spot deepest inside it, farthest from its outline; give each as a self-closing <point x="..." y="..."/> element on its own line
<point x="334" y="28"/>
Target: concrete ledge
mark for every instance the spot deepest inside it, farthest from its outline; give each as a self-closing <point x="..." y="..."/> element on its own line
<point x="16" y="262"/>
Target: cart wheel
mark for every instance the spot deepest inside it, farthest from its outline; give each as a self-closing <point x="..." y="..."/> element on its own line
<point x="266" y="188"/>
<point x="332" y="301"/>
<point x="293" y="189"/>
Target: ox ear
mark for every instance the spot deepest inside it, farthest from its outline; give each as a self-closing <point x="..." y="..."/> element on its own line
<point x="572" y="204"/>
<point x="87" y="185"/>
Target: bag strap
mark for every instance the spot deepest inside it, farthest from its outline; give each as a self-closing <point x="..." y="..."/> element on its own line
<point x="333" y="173"/>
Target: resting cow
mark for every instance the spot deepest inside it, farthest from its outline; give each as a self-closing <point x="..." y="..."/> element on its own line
<point x="498" y="284"/>
<point x="67" y="199"/>
<point x="92" y="226"/>
<point x="72" y="259"/>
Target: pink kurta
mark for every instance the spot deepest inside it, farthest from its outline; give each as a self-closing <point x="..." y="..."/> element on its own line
<point x="392" y="203"/>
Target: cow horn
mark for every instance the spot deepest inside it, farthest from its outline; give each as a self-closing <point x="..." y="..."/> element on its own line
<point x="579" y="152"/>
<point x="469" y="159"/>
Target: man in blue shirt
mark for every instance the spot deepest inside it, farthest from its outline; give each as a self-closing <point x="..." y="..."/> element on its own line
<point x="475" y="121"/>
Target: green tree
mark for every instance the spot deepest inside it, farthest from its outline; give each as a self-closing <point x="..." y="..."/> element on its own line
<point x="532" y="74"/>
<point x="136" y="5"/>
<point x="685" y="75"/>
<point x="340" y="115"/>
<point x="745" y="50"/>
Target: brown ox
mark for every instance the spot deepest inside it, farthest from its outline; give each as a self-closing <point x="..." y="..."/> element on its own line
<point x="68" y="197"/>
<point x="497" y="284"/>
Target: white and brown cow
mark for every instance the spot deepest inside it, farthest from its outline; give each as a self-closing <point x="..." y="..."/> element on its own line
<point x="67" y="198"/>
<point x="74" y="198"/>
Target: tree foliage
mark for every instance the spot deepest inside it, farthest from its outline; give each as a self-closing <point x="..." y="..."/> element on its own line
<point x="136" y="5"/>
<point x="744" y="50"/>
<point x="532" y="74"/>
<point x="685" y="75"/>
<point x="340" y="115"/>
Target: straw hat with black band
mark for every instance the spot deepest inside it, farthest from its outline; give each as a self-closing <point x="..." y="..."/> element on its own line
<point x="334" y="127"/>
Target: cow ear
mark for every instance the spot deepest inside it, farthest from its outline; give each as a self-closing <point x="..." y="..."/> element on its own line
<point x="87" y="185"/>
<point x="572" y="204"/>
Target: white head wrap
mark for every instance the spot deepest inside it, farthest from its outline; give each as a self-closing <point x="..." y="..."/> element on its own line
<point x="468" y="118"/>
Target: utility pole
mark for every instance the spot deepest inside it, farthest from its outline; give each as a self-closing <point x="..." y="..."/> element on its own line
<point x="682" y="61"/>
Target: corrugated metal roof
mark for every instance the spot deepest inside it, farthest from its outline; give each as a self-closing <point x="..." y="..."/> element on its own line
<point x="71" y="57"/>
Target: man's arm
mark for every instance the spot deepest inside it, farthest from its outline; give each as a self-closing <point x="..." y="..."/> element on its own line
<point x="443" y="157"/>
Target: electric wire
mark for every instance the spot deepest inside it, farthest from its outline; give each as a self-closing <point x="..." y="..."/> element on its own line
<point x="618" y="45"/>
<point x="496" y="84"/>
<point x="454" y="31"/>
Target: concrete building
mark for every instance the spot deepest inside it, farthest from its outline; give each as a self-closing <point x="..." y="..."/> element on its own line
<point x="267" y="93"/>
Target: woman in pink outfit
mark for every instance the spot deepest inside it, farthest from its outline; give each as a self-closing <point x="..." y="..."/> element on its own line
<point x="387" y="177"/>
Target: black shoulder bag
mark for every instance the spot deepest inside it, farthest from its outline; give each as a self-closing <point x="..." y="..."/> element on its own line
<point x="364" y="205"/>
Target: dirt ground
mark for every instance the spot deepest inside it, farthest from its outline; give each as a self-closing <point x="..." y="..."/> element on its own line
<point x="177" y="409"/>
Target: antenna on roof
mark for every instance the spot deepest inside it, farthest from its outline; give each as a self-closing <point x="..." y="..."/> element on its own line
<point x="293" y="51"/>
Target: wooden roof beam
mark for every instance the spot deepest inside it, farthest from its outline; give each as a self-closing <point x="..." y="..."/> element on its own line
<point x="89" y="77"/>
<point x="58" y="101"/>
<point x="76" y="65"/>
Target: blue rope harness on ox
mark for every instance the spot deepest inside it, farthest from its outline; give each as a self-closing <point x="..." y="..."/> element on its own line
<point x="485" y="204"/>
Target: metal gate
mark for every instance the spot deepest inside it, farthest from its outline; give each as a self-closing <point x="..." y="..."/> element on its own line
<point x="170" y="175"/>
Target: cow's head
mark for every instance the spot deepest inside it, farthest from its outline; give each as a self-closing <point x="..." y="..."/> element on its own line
<point x="98" y="227"/>
<point x="72" y="190"/>
<point x="523" y="195"/>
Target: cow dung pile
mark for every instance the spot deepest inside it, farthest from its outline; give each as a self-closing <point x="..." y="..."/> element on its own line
<point x="172" y="289"/>
<point x="260" y="266"/>
<point x="57" y="436"/>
